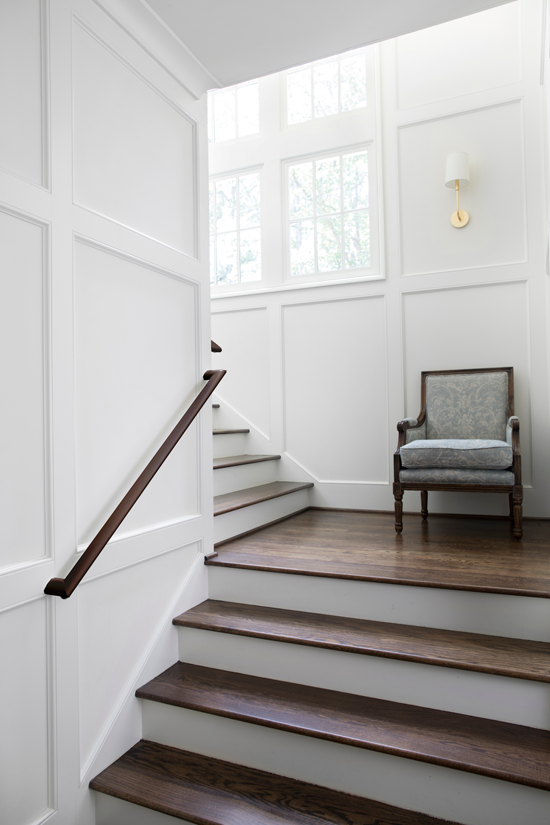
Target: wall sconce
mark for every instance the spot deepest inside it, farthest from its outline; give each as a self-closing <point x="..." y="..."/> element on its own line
<point x="457" y="174"/>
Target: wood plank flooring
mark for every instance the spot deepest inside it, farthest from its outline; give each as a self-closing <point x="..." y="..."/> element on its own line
<point x="454" y="553"/>
<point x="254" y="495"/>
<point x="209" y="791"/>
<point x="467" y="651"/>
<point x="503" y="751"/>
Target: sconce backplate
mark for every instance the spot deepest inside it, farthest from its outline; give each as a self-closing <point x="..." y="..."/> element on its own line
<point x="460" y="219"/>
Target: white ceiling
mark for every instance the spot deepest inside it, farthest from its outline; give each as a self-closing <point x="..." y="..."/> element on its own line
<point x="238" y="40"/>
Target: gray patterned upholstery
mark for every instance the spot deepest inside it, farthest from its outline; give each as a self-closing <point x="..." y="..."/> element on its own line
<point x="463" y="405"/>
<point x="479" y="454"/>
<point x="436" y="475"/>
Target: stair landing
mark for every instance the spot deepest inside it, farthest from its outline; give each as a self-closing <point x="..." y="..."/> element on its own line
<point x="452" y="553"/>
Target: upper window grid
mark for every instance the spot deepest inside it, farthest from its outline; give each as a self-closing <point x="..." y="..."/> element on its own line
<point x="233" y="112"/>
<point x="327" y="87"/>
<point x="329" y="225"/>
<point x="235" y="234"/>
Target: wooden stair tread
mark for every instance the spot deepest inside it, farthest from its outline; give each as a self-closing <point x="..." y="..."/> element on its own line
<point x="473" y="554"/>
<point x="228" y="502"/>
<point x="447" y="648"/>
<point x="210" y="791"/>
<point x="497" y="749"/>
<point x="239" y="460"/>
<point x="229" y="432"/>
<point x="215" y="406"/>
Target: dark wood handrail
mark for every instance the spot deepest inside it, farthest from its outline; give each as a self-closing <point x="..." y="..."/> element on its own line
<point x="64" y="587"/>
<point x="215" y="347"/>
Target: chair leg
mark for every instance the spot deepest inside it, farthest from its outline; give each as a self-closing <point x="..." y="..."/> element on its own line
<point x="398" y="495"/>
<point x="511" y="504"/>
<point x="424" y="503"/>
<point x="517" y="497"/>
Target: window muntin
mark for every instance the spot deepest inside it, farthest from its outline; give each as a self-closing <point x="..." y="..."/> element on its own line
<point x="328" y="213"/>
<point x="233" y="112"/>
<point x="327" y="87"/>
<point x="235" y="236"/>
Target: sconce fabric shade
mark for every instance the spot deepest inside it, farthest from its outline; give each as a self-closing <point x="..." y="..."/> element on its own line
<point x="457" y="169"/>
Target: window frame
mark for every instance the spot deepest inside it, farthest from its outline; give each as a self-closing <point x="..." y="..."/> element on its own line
<point x="212" y="236"/>
<point x="211" y="118"/>
<point x="363" y="273"/>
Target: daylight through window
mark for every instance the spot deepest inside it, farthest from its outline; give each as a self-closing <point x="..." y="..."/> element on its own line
<point x="328" y="201"/>
<point x="327" y="87"/>
<point x="235" y="239"/>
<point x="233" y="112"/>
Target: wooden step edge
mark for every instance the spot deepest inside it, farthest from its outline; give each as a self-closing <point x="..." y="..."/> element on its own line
<point x="229" y="432"/>
<point x="240" y="460"/>
<point x="219" y="544"/>
<point x="215" y="406"/>
<point x="228" y="502"/>
<point x="500" y="750"/>
<point x="495" y="655"/>
<point x="209" y="791"/>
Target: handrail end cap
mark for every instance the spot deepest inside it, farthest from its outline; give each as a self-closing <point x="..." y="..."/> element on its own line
<point x="56" y="587"/>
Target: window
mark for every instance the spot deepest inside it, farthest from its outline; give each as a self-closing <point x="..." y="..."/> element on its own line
<point x="233" y="112"/>
<point x="327" y="87"/>
<point x="328" y="213"/>
<point x="235" y="240"/>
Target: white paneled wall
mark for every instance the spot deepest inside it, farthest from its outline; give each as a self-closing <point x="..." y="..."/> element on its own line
<point x="105" y="336"/>
<point x="345" y="359"/>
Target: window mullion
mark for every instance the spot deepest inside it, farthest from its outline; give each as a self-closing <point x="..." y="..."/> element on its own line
<point x="342" y="248"/>
<point x="238" y="207"/>
<point x="314" y="177"/>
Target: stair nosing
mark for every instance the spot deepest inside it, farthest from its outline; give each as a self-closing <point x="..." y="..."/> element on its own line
<point x="231" y="460"/>
<point x="189" y="619"/>
<point x="309" y="700"/>
<point x="262" y="495"/>
<point x="229" y="432"/>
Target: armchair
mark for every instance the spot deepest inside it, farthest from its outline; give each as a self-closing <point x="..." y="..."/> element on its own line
<point x="466" y="438"/>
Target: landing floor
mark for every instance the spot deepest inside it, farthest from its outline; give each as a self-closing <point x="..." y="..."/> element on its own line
<point x="453" y="553"/>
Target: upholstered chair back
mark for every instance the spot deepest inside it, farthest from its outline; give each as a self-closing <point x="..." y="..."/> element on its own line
<point x="466" y="405"/>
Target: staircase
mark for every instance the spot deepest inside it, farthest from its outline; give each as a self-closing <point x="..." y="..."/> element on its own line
<point x="304" y="692"/>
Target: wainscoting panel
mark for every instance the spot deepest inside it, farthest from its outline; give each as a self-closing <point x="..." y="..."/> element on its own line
<point x="134" y="148"/>
<point x="120" y="616"/>
<point x="26" y="764"/>
<point x="496" y="202"/>
<point x="23" y="356"/>
<point x="335" y="389"/>
<point x="484" y="325"/>
<point x="136" y="373"/>
<point x="244" y="339"/>
<point x="477" y="52"/>
<point x="23" y="88"/>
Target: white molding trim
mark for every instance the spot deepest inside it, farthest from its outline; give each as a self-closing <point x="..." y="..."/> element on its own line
<point x="287" y="287"/>
<point x="46" y="94"/>
<point x="86" y="27"/>
<point x="141" y="531"/>
<point x="447" y="116"/>
<point x="132" y="681"/>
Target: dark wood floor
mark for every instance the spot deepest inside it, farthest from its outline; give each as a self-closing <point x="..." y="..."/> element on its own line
<point x="453" y="553"/>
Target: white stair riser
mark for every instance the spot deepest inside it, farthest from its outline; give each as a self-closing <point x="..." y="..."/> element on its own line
<point x="113" y="811"/>
<point x="518" y="701"/>
<point x="444" y="792"/>
<point x="229" y="479"/>
<point x="229" y="444"/>
<point x="520" y="617"/>
<point x="248" y="518"/>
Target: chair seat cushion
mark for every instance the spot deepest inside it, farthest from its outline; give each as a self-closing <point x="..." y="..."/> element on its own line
<point x="474" y="454"/>
<point x="434" y="475"/>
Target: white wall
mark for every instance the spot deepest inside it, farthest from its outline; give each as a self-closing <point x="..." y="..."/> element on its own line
<point x="344" y="359"/>
<point x="105" y="335"/>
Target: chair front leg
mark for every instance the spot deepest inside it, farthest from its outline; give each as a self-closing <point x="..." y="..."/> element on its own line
<point x="518" y="512"/>
<point x="424" y="503"/>
<point x="398" y="495"/>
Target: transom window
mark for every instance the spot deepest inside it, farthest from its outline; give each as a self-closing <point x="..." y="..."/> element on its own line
<point x="327" y="87"/>
<point x="233" y="112"/>
<point x="328" y="213"/>
<point x="235" y="238"/>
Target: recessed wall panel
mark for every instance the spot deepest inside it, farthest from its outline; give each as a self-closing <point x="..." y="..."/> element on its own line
<point x="470" y="328"/>
<point x="135" y="375"/>
<point x="461" y="57"/>
<point x="24" y="697"/>
<point x="495" y="198"/>
<point x="22" y="467"/>
<point x="134" y="152"/>
<point x="21" y="83"/>
<point x="119" y="617"/>
<point x="244" y="339"/>
<point x="335" y="389"/>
